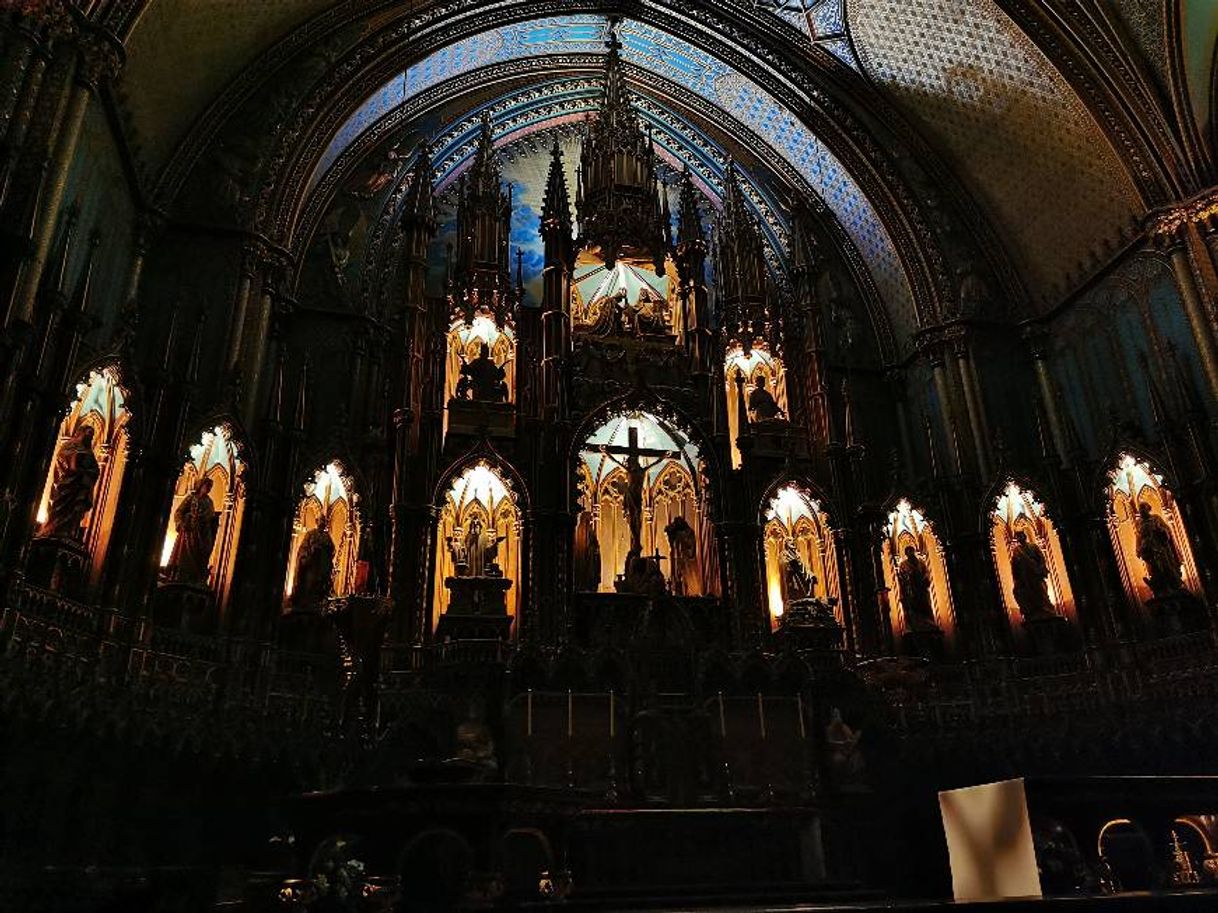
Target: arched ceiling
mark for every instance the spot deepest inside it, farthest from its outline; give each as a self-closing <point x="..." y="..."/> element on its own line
<point x="1024" y="145"/>
<point x="1017" y="133"/>
<point x="660" y="58"/>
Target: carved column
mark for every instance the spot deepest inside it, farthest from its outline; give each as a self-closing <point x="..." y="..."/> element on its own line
<point x="974" y="405"/>
<point x="946" y="419"/>
<point x="1173" y="240"/>
<point x="98" y="58"/>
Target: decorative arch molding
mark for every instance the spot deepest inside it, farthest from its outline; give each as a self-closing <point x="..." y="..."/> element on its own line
<point x="733" y="35"/>
<point x="708" y="166"/>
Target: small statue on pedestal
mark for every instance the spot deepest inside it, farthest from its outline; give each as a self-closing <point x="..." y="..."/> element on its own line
<point x="314" y="568"/>
<point x="76" y="473"/>
<point x="800" y="582"/>
<point x="683" y="554"/>
<point x="196" y="523"/>
<point x="761" y="403"/>
<point x="913" y="584"/>
<point x="1158" y="552"/>
<point x="482" y="550"/>
<point x="482" y="380"/>
<point x="1030" y="579"/>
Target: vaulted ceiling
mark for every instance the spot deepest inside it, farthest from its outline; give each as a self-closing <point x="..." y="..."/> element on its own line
<point x="964" y="78"/>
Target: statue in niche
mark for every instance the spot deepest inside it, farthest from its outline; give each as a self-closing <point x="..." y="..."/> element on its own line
<point x="913" y="583"/>
<point x="798" y="577"/>
<point x="196" y="523"/>
<point x="683" y="555"/>
<point x="482" y="550"/>
<point x="459" y="555"/>
<point x="1030" y="578"/>
<point x="1158" y="552"/>
<point x="761" y="403"/>
<point x="314" y="568"/>
<point x="587" y="555"/>
<point x="76" y="474"/>
<point x="482" y="380"/>
<point x="651" y="313"/>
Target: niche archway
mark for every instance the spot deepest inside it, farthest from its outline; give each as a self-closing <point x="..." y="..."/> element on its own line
<point x="1133" y="482"/>
<point x="758" y="364"/>
<point x="329" y="496"/>
<point x="216" y="457"/>
<point x="465" y="341"/>
<point x="1018" y="510"/>
<point x="908" y="527"/>
<point x="674" y="490"/>
<point x="481" y="491"/>
<point x="101" y="405"/>
<point x="792" y="513"/>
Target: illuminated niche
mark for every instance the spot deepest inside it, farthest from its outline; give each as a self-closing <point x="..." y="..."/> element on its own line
<point x="673" y="486"/>
<point x="465" y="341"/>
<point x="908" y="527"/>
<point x="758" y="364"/>
<point x="480" y="491"/>
<point x="793" y="514"/>
<point x="629" y="299"/>
<point x="1018" y="511"/>
<point x="329" y="496"/>
<point x="101" y="405"/>
<point x="215" y="457"/>
<point x="1132" y="483"/>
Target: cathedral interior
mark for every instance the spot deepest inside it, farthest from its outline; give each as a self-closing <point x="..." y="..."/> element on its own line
<point x="608" y="454"/>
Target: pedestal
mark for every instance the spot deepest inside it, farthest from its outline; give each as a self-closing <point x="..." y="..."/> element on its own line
<point x="809" y="624"/>
<point x="924" y="642"/>
<point x="189" y="606"/>
<point x="473" y="417"/>
<point x="771" y="437"/>
<point x="1049" y="634"/>
<point x="477" y="609"/>
<point x="59" y="565"/>
<point x="1177" y="613"/>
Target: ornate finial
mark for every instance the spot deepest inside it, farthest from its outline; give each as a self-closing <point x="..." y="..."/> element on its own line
<point x="689" y="216"/>
<point x="419" y="207"/>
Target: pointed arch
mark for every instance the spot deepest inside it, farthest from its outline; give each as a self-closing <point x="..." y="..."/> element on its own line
<point x="330" y="497"/>
<point x="793" y="510"/>
<point x="908" y="527"/>
<point x="1015" y="508"/>
<point x="1134" y="483"/>
<point x="101" y="404"/>
<point x="481" y="488"/>
<point x="217" y="455"/>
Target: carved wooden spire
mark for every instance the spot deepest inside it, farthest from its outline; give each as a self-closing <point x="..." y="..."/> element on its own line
<point x="618" y="199"/>
<point x="742" y="274"/>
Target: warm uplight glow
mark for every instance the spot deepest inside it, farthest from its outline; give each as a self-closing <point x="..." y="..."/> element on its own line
<point x="792" y="515"/>
<point x="1132" y="484"/>
<point x="167" y="549"/>
<point x="906" y="518"/>
<point x="479" y="483"/>
<point x="482" y="329"/>
<point x="1018" y="510"/>
<point x="327" y="496"/>
<point x="908" y="527"/>
<point x="327" y="485"/>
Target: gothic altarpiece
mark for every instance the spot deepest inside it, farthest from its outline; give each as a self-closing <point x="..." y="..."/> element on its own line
<point x="324" y="553"/>
<point x="915" y="575"/>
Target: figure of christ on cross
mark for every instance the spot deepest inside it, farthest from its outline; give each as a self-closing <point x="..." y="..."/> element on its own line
<point x="636" y="479"/>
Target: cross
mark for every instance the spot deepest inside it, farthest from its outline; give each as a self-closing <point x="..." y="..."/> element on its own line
<point x="632" y="448"/>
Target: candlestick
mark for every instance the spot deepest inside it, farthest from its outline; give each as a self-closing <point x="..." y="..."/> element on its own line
<point x="803" y="733"/>
<point x="761" y="714"/>
<point x="722" y="723"/>
<point x="612" y="727"/>
<point x="570" y="715"/>
<point x="529" y="714"/>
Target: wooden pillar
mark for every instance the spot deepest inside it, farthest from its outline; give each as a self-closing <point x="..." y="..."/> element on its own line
<point x="96" y="58"/>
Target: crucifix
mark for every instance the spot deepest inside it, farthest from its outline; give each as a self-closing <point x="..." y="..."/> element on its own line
<point x="636" y="477"/>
